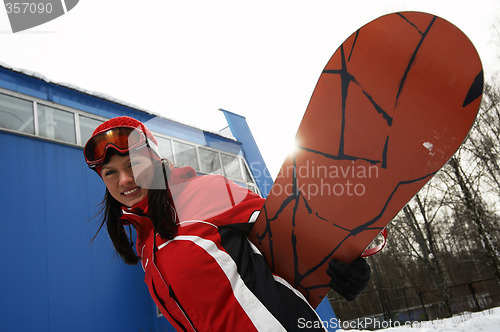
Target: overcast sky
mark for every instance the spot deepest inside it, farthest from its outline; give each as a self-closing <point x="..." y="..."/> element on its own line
<point x="186" y="59"/>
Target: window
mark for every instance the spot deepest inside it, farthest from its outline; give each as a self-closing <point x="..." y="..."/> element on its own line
<point x="210" y="162"/>
<point x="56" y="124"/>
<point x="185" y="155"/>
<point x="16" y="114"/>
<point x="252" y="187"/>
<point x="165" y="146"/>
<point x="247" y="173"/>
<point x="87" y="127"/>
<point x="231" y="166"/>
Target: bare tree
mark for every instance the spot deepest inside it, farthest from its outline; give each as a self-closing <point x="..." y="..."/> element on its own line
<point x="478" y="214"/>
<point x="428" y="249"/>
<point x="484" y="141"/>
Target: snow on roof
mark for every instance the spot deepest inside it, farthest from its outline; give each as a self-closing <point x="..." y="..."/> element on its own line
<point x="106" y="97"/>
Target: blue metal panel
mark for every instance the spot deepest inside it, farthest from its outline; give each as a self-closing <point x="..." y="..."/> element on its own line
<point x="21" y="83"/>
<point x="53" y="278"/>
<point x="327" y="315"/>
<point x="24" y="278"/>
<point x="175" y="129"/>
<point x="221" y="143"/>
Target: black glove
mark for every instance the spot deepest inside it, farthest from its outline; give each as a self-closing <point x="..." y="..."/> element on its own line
<point x="349" y="280"/>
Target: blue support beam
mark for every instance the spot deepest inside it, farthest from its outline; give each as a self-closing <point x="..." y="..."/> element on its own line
<point x="242" y="133"/>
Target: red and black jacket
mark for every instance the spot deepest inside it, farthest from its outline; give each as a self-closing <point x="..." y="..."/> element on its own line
<point x="210" y="277"/>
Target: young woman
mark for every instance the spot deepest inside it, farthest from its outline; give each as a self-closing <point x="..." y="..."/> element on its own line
<point x="200" y="268"/>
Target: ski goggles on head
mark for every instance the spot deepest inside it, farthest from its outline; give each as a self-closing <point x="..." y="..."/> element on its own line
<point x="121" y="139"/>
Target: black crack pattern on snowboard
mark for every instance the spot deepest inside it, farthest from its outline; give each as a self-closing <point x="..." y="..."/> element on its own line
<point x="297" y="197"/>
<point x="410" y="63"/>
<point x="476" y="89"/>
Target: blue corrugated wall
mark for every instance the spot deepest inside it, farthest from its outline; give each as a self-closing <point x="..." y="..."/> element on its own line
<point x="52" y="277"/>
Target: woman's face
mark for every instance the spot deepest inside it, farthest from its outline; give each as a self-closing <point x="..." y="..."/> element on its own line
<point x="118" y="176"/>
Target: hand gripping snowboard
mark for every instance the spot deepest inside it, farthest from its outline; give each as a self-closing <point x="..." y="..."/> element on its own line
<point x="390" y="108"/>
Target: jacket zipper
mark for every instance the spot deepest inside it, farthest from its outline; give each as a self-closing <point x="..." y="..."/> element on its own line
<point x="165" y="307"/>
<point x="172" y="295"/>
<point x="171" y="291"/>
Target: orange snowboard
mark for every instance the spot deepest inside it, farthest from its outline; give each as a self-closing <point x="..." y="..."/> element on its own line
<point x="392" y="105"/>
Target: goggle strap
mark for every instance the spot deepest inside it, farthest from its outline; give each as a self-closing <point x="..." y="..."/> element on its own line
<point x="154" y="146"/>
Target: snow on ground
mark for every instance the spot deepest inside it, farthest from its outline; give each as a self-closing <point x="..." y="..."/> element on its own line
<point x="484" y="321"/>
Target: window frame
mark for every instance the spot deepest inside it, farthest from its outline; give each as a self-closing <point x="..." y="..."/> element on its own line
<point x="79" y="144"/>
